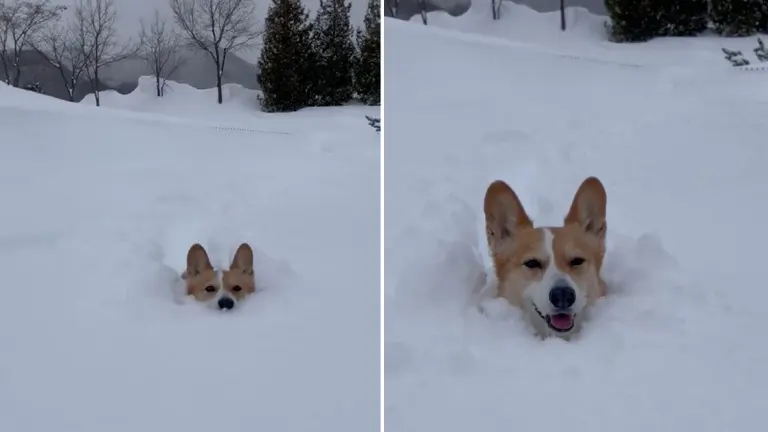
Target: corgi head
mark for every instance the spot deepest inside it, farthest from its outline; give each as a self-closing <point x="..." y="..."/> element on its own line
<point x="221" y="289"/>
<point x="551" y="273"/>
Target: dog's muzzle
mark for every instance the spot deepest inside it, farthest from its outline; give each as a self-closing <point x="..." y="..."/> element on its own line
<point x="562" y="297"/>
<point x="226" y="303"/>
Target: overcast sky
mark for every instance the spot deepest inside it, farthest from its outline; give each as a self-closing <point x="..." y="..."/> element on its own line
<point x="130" y="12"/>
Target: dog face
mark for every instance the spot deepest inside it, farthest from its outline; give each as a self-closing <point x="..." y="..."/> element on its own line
<point x="221" y="289"/>
<point x="551" y="273"/>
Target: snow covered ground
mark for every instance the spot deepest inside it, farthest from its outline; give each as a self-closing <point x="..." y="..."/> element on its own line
<point x="99" y="208"/>
<point x="677" y="344"/>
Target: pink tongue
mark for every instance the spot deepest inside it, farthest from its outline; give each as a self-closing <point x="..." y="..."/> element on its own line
<point x="561" y="321"/>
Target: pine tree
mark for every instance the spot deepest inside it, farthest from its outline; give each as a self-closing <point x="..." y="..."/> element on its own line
<point x="739" y="17"/>
<point x="335" y="51"/>
<point x="286" y="63"/>
<point x="635" y="20"/>
<point x="683" y="17"/>
<point x="368" y="66"/>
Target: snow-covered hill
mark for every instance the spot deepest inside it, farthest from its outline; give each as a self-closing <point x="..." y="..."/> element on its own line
<point x="99" y="208"/>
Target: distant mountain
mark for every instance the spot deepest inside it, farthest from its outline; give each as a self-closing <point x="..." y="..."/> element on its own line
<point x="123" y="77"/>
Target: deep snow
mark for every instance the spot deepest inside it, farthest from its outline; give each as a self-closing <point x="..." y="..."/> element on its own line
<point x="99" y="208"/>
<point x="677" y="343"/>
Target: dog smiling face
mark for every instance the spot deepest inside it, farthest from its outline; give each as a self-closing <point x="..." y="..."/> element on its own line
<point x="219" y="289"/>
<point x="551" y="273"/>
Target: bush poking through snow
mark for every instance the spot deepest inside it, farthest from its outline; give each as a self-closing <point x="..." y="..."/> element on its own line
<point x="34" y="87"/>
<point x="760" y="51"/>
<point x="374" y="123"/>
<point x="735" y="57"/>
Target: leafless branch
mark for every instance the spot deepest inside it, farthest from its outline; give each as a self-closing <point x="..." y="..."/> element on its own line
<point x="218" y="27"/>
<point x="96" y="19"/>
<point x="64" y="47"/>
<point x="160" y="47"/>
<point x="20" y="22"/>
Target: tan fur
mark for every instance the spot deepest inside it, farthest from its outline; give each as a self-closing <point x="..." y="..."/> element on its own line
<point x="513" y="240"/>
<point x="200" y="274"/>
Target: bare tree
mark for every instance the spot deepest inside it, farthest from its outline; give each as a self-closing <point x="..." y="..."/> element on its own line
<point x="65" y="47"/>
<point x="562" y="15"/>
<point x="393" y="6"/>
<point x="160" y="50"/>
<point x="218" y="27"/>
<point x="423" y="10"/>
<point x="20" y="21"/>
<point x="496" y="9"/>
<point x="97" y="20"/>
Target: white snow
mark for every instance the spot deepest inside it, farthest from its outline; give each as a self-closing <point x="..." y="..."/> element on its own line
<point x="679" y="143"/>
<point x="99" y="208"/>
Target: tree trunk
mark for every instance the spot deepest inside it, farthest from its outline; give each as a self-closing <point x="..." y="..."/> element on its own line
<point x="157" y="84"/>
<point x="218" y="87"/>
<point x="16" y="75"/>
<point x="562" y="15"/>
<point x="96" y="86"/>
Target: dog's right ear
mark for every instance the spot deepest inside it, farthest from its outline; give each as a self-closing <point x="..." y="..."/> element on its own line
<point x="197" y="261"/>
<point x="504" y="214"/>
<point x="243" y="260"/>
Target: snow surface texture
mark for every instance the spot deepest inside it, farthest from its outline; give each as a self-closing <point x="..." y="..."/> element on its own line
<point x="676" y="344"/>
<point x="100" y="208"/>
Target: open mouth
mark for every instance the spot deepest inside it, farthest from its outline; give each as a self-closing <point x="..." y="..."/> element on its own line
<point x="560" y="322"/>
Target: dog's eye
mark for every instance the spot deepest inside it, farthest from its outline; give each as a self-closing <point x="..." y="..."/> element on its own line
<point x="236" y="288"/>
<point x="210" y="289"/>
<point x="576" y="262"/>
<point x="533" y="264"/>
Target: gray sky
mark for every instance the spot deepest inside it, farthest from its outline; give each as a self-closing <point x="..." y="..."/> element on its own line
<point x="130" y="12"/>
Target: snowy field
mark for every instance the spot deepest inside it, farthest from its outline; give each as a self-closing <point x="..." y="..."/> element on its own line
<point x="99" y="209"/>
<point x="676" y="344"/>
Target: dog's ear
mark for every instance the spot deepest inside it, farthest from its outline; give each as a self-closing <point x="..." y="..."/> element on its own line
<point x="243" y="260"/>
<point x="197" y="260"/>
<point x="504" y="214"/>
<point x="589" y="207"/>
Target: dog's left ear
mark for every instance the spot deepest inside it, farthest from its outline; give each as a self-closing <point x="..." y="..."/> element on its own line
<point x="243" y="260"/>
<point x="588" y="209"/>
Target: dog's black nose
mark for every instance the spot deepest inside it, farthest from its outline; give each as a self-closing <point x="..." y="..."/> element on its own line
<point x="562" y="297"/>
<point x="226" y="303"/>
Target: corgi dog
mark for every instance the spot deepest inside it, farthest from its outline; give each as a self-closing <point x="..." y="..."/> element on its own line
<point x="551" y="273"/>
<point x="216" y="288"/>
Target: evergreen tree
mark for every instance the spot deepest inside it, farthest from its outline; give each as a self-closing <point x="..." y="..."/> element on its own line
<point x="683" y="17"/>
<point x="286" y="63"/>
<point x="368" y="66"/>
<point x="334" y="51"/>
<point x="739" y="17"/>
<point x="635" y="20"/>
